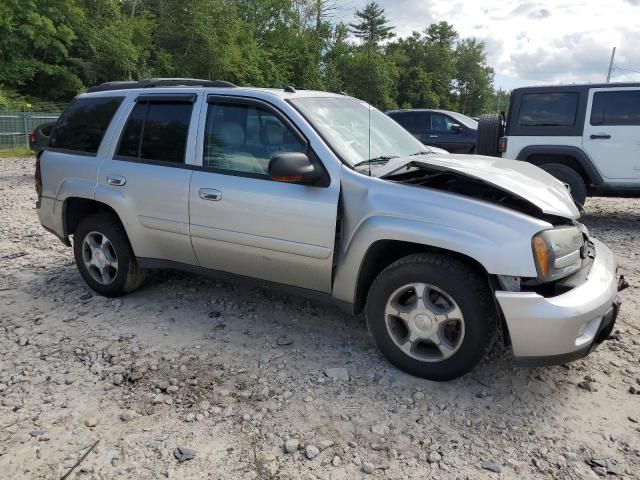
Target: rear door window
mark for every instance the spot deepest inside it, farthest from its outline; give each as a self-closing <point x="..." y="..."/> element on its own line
<point x="156" y="131"/>
<point x="548" y="109"/>
<point x="412" y="121"/>
<point x="82" y="125"/>
<point x="620" y="107"/>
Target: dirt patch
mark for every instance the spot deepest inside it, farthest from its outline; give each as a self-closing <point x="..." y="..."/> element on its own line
<point x="237" y="379"/>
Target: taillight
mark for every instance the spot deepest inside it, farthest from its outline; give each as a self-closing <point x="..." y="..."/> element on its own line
<point x="32" y="137"/>
<point x="37" y="176"/>
<point x="502" y="144"/>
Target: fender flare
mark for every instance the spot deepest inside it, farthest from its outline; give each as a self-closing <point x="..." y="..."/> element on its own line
<point x="575" y="152"/>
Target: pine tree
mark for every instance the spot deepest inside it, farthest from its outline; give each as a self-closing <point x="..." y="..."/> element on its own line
<point x="373" y="25"/>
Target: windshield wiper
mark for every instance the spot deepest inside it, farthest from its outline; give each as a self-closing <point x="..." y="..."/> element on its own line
<point x="380" y="159"/>
<point x="421" y="152"/>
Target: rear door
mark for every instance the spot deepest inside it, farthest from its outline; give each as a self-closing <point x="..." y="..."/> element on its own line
<point x="243" y="222"/>
<point x="146" y="176"/>
<point x="612" y="132"/>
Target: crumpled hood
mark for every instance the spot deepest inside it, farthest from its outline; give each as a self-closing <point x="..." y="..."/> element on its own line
<point x="521" y="179"/>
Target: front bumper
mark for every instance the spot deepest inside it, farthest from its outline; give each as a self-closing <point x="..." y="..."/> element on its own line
<point x="563" y="328"/>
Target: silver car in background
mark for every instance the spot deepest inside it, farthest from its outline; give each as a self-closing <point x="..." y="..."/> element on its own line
<point x="327" y="197"/>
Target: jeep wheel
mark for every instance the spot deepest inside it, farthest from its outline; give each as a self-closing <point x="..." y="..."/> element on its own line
<point x="570" y="177"/>
<point x="104" y="257"/>
<point x="490" y="129"/>
<point x="432" y="316"/>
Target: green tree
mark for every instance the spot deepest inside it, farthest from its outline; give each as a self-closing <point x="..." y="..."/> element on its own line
<point x="35" y="39"/>
<point x="473" y="78"/>
<point x="372" y="26"/>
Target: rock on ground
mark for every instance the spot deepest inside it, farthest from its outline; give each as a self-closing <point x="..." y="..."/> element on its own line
<point x="224" y="356"/>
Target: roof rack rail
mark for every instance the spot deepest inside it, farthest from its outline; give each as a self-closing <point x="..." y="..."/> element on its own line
<point x="160" y="82"/>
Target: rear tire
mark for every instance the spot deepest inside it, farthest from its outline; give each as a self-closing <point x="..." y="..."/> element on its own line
<point x="441" y="333"/>
<point x="569" y="176"/>
<point x="104" y="256"/>
<point x="490" y="130"/>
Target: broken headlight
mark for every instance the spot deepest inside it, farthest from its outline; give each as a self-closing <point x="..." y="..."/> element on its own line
<point x="557" y="252"/>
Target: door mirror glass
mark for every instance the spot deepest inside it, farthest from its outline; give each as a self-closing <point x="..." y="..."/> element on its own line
<point x="455" y="128"/>
<point x="293" y="167"/>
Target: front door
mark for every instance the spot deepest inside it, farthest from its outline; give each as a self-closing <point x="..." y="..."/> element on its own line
<point x="612" y="132"/>
<point x="442" y="135"/>
<point x="244" y="223"/>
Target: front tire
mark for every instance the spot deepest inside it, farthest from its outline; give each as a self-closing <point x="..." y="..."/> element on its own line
<point x="432" y="316"/>
<point x="104" y="256"/>
<point x="568" y="176"/>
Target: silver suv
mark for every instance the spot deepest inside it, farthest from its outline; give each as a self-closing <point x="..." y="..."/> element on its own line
<point x="329" y="197"/>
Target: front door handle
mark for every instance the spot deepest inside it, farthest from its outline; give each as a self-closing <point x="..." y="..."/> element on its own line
<point x="210" y="194"/>
<point x="602" y="136"/>
<point x="116" y="180"/>
<point x="433" y="136"/>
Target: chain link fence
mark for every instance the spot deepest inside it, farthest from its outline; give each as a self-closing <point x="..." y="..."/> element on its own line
<point x="15" y="127"/>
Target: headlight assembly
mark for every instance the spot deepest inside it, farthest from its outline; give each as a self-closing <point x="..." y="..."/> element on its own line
<point x="557" y="252"/>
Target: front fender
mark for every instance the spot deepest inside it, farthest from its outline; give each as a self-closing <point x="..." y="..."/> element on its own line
<point x="496" y="237"/>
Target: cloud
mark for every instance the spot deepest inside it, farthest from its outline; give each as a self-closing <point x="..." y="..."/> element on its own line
<point x="540" y="14"/>
<point x="535" y="41"/>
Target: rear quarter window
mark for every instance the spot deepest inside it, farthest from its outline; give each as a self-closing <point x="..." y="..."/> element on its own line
<point x="82" y="125"/>
<point x="556" y="109"/>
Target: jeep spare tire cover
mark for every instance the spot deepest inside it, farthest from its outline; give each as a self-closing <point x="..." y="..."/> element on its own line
<point x="490" y="129"/>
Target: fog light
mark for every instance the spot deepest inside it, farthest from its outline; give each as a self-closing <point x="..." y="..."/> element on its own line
<point x="587" y="332"/>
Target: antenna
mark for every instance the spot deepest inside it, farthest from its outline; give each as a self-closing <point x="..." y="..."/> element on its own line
<point x="369" y="103"/>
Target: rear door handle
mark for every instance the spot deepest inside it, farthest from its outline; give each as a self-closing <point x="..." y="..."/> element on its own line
<point x="601" y="136"/>
<point x="433" y="136"/>
<point x="210" y="194"/>
<point x="116" y="180"/>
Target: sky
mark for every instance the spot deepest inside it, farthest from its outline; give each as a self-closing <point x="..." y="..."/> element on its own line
<point x="534" y="42"/>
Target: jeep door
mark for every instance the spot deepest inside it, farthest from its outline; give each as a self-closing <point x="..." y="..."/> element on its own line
<point x="612" y="132"/>
<point x="146" y="176"/>
<point x="242" y="221"/>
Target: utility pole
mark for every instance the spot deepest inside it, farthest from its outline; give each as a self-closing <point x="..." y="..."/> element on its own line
<point x="613" y="54"/>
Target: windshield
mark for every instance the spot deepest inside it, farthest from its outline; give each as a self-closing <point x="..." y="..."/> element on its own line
<point x="344" y="123"/>
<point x="464" y="120"/>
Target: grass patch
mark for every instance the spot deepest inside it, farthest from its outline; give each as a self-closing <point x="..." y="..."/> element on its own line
<point x="18" y="152"/>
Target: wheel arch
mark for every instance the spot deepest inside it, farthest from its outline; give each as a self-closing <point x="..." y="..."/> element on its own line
<point x="570" y="156"/>
<point x="74" y="209"/>
<point x="383" y="253"/>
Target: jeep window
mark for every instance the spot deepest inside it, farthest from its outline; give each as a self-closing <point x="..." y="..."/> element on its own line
<point x="83" y="124"/>
<point x="621" y="107"/>
<point x="242" y="138"/>
<point x="548" y="109"/>
<point x="156" y="131"/>
<point x="344" y="123"/>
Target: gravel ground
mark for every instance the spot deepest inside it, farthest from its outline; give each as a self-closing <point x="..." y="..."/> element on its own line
<point x="193" y="378"/>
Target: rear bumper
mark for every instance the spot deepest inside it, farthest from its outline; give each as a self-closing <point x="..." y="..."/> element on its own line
<point x="566" y="327"/>
<point x="50" y="216"/>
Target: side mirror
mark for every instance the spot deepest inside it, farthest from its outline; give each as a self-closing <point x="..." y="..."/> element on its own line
<point x="293" y="167"/>
<point x="455" y="128"/>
